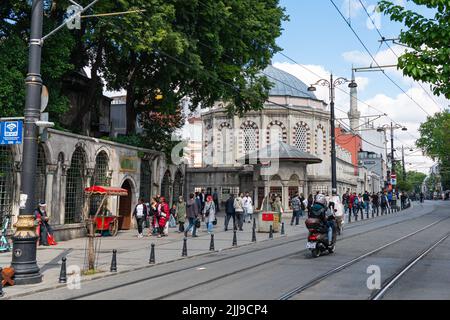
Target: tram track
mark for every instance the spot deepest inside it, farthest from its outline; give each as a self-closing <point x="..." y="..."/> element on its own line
<point x="222" y="276"/>
<point x="328" y="274"/>
<point x="388" y="284"/>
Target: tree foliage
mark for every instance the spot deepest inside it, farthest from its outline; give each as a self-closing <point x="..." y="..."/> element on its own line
<point x="208" y="50"/>
<point x="14" y="37"/>
<point x="435" y="142"/>
<point x="428" y="39"/>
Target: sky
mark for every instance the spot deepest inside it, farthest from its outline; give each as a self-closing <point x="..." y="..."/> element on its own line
<point x="318" y="38"/>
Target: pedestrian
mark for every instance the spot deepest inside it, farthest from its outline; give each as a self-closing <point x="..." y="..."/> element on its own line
<point x="403" y="200"/>
<point x="192" y="212"/>
<point x="302" y="205"/>
<point x="44" y="231"/>
<point x="163" y="216"/>
<point x="230" y="212"/>
<point x="361" y="205"/>
<point x="375" y="203"/>
<point x="140" y="213"/>
<point x="248" y="207"/>
<point x="384" y="203"/>
<point x="173" y="216"/>
<point x="153" y="214"/>
<point x="366" y="199"/>
<point x="296" y="204"/>
<point x="239" y="209"/>
<point x="345" y="199"/>
<point x="216" y="199"/>
<point x="181" y="214"/>
<point x="210" y="213"/>
<point x="309" y="204"/>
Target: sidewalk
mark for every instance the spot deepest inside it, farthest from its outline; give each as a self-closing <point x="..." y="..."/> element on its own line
<point x="134" y="253"/>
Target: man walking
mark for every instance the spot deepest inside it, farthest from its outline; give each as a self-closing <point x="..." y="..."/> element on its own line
<point x="366" y="199"/>
<point x="216" y="199"/>
<point x="248" y="207"/>
<point x="140" y="213"/>
<point x="192" y="210"/>
<point x="375" y="203"/>
<point x="239" y="209"/>
<point x="296" y="204"/>
<point x="230" y="213"/>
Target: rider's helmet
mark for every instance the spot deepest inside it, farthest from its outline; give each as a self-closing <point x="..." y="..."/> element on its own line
<point x="320" y="198"/>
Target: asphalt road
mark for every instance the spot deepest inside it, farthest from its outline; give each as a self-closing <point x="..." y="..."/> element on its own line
<point x="271" y="269"/>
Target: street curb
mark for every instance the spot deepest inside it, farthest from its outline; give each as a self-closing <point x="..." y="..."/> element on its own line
<point x="111" y="274"/>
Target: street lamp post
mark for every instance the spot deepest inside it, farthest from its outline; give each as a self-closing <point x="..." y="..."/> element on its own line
<point x="25" y="238"/>
<point x="331" y="84"/>
<point x="392" y="128"/>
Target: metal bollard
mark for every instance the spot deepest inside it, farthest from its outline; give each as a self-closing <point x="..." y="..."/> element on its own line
<point x="234" y="239"/>
<point x="1" y="283"/>
<point x="63" y="272"/>
<point x="349" y="217"/>
<point x="254" y="223"/>
<point x="184" y="252"/>
<point x="152" y="254"/>
<point x="254" y="235"/>
<point x="211" y="245"/>
<point x="271" y="232"/>
<point x="114" y="261"/>
<point x="282" y="229"/>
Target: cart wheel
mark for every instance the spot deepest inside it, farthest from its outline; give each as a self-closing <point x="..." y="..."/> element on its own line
<point x="114" y="228"/>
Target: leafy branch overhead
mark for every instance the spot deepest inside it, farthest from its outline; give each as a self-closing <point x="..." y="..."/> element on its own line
<point x="208" y="50"/>
<point x="428" y="39"/>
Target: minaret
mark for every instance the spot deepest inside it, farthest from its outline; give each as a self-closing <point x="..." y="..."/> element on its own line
<point x="354" y="114"/>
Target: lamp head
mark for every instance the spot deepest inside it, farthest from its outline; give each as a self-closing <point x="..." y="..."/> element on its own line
<point x="311" y="88"/>
<point x="352" y="84"/>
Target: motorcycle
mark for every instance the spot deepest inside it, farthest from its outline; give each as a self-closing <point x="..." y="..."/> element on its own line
<point x="318" y="236"/>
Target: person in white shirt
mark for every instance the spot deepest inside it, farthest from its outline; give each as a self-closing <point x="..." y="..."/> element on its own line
<point x="140" y="213"/>
<point x="248" y="207"/>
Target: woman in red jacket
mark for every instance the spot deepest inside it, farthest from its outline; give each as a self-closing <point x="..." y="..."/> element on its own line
<point x="163" y="216"/>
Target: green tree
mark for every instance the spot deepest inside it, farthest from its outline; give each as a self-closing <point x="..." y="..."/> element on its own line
<point x="428" y="39"/>
<point x="14" y="31"/>
<point x="435" y="142"/>
<point x="208" y="50"/>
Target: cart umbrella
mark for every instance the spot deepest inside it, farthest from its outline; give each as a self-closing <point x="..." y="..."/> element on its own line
<point x="109" y="191"/>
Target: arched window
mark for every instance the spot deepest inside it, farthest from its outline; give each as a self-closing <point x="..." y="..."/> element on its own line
<point x="224" y="144"/>
<point x="165" y="186"/>
<point x="177" y="186"/>
<point x="75" y="184"/>
<point x="301" y="137"/>
<point x="276" y="131"/>
<point x="146" y="180"/>
<point x="100" y="178"/>
<point x="6" y="181"/>
<point x="41" y="176"/>
<point x="249" y="137"/>
<point x="321" y="141"/>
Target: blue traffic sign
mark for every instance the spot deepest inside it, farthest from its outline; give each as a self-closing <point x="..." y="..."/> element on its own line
<point x="11" y="132"/>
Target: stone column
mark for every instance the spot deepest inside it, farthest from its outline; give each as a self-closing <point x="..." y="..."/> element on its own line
<point x="285" y="195"/>
<point x="61" y="187"/>
<point x="51" y="195"/>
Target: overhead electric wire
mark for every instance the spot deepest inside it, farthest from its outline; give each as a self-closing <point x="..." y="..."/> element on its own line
<point x="374" y="60"/>
<point x="390" y="48"/>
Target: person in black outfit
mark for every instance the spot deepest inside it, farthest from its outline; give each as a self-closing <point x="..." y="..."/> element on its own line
<point x="216" y="199"/>
<point x="375" y="203"/>
<point x="230" y="212"/>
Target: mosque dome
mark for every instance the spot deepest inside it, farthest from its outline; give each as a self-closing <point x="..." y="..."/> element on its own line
<point x="285" y="84"/>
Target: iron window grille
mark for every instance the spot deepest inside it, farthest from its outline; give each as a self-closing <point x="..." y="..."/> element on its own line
<point x="146" y="180"/>
<point x="76" y="178"/>
<point x="6" y="182"/>
<point x="41" y="176"/>
<point x="99" y="178"/>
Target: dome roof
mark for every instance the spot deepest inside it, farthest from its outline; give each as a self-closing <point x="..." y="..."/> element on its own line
<point x="285" y="84"/>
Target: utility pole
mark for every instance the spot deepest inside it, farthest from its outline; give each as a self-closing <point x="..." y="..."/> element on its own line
<point x="25" y="238"/>
<point x="392" y="150"/>
<point x="403" y="164"/>
<point x="331" y="84"/>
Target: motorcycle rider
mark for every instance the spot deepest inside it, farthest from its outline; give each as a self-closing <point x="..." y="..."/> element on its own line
<point x="320" y="211"/>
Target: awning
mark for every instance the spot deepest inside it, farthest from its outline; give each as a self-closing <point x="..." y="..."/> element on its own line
<point x="110" y="191"/>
